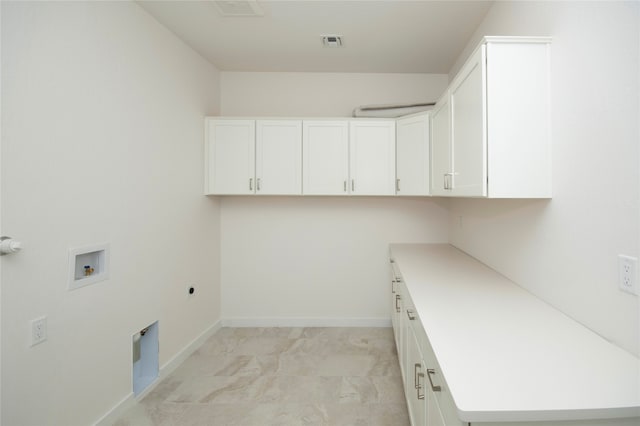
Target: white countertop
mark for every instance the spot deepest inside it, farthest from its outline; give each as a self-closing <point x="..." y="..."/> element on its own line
<point x="505" y="354"/>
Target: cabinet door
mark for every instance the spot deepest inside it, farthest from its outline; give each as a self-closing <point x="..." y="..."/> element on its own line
<point x="394" y="305"/>
<point x="412" y="155"/>
<point x="401" y="324"/>
<point x="372" y="157"/>
<point x="434" y="416"/>
<point x="230" y="156"/>
<point x="415" y="380"/>
<point x="469" y="135"/>
<point x="279" y="157"/>
<point x="325" y="157"/>
<point x="441" y="147"/>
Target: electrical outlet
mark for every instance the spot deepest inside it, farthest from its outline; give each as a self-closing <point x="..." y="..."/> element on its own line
<point x="627" y="274"/>
<point x="38" y="330"/>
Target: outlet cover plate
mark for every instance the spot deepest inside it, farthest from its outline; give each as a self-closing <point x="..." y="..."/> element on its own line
<point x="38" y="330"/>
<point x="628" y="274"/>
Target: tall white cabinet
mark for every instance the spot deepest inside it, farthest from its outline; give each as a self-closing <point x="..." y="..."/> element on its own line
<point x="490" y="132"/>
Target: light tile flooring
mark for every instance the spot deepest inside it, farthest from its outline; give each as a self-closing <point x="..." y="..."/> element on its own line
<point x="281" y="376"/>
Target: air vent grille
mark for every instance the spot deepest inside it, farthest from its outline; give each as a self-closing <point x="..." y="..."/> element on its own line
<point x="242" y="8"/>
<point x="332" y="40"/>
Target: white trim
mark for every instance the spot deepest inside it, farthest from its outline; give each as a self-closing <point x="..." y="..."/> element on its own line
<point x="306" y="322"/>
<point x="130" y="400"/>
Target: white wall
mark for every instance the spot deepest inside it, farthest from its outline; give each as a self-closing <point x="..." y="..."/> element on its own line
<point x="322" y="94"/>
<point x="565" y="250"/>
<point x="318" y="260"/>
<point x="101" y="142"/>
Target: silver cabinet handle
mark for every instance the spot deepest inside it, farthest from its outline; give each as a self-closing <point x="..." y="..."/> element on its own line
<point x="431" y="371"/>
<point x="419" y="386"/>
<point x="250" y="184"/>
<point x="258" y="184"/>
<point x="415" y="375"/>
<point x="447" y="180"/>
<point x="397" y="185"/>
<point x="393" y="288"/>
<point x="410" y="314"/>
<point x="344" y="185"/>
<point x="353" y="184"/>
<point x="397" y="300"/>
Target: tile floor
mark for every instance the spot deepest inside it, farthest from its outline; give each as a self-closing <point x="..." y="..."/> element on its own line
<point x="281" y="376"/>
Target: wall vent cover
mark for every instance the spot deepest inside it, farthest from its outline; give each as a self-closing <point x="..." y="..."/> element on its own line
<point x="241" y="8"/>
<point x="332" y="40"/>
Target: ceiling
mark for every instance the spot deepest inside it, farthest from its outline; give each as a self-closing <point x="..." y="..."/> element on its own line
<point x="379" y="36"/>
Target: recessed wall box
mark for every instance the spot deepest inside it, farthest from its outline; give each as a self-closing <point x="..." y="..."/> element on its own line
<point x="145" y="358"/>
<point x="88" y="265"/>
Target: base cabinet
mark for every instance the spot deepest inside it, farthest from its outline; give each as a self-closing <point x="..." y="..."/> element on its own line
<point x="415" y="381"/>
<point x="423" y="393"/>
<point x="429" y="293"/>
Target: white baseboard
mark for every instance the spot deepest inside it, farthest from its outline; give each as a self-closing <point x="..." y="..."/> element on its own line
<point x="306" y="322"/>
<point x="130" y="400"/>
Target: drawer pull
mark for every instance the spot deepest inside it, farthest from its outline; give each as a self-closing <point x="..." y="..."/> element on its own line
<point x="415" y="375"/>
<point x="420" y="386"/>
<point x="431" y="371"/>
<point x="250" y="184"/>
<point x="393" y="288"/>
<point x="397" y="300"/>
<point x="410" y="314"/>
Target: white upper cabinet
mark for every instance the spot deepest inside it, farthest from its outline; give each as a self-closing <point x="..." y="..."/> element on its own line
<point x="372" y="157"/>
<point x="440" y="147"/>
<point x="278" y="157"/>
<point x="325" y="157"/>
<point x="230" y="156"/>
<point x="468" y="156"/>
<point x="253" y="157"/>
<point x="412" y="155"/>
<point x="498" y="137"/>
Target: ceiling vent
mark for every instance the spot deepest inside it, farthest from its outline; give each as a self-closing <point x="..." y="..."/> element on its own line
<point x="332" y="41"/>
<point x="241" y="8"/>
